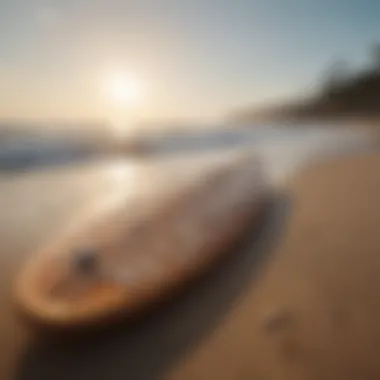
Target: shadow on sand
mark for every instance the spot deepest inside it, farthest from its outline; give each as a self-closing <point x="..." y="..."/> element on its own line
<point x="149" y="346"/>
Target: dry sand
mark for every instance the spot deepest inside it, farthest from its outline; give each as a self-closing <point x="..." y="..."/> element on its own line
<point x="314" y="311"/>
<point x="311" y="311"/>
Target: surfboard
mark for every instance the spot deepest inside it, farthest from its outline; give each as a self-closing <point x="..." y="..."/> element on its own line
<point x="121" y="261"/>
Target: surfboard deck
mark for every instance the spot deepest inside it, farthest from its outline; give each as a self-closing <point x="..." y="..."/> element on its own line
<point x="121" y="261"/>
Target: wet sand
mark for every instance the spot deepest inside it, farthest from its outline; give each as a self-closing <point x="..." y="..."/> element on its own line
<point x="297" y="300"/>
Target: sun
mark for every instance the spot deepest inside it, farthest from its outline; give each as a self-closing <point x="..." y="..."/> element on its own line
<point x="123" y="89"/>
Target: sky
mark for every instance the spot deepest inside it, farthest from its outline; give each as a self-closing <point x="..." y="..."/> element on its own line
<point x="192" y="59"/>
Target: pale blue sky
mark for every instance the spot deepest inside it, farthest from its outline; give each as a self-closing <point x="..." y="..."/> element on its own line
<point x="197" y="59"/>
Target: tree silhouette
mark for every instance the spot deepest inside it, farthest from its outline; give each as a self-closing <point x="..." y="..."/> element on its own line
<point x="336" y="76"/>
<point x="375" y="56"/>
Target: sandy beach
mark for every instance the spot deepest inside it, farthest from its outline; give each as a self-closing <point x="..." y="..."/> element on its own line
<point x="313" y="310"/>
<point x="299" y="299"/>
<point x="111" y="115"/>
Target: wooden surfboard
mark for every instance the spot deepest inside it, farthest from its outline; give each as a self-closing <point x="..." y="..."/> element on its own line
<point x="122" y="261"/>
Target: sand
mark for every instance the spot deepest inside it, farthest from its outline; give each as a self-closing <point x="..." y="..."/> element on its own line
<point x="303" y="305"/>
<point x="314" y="310"/>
